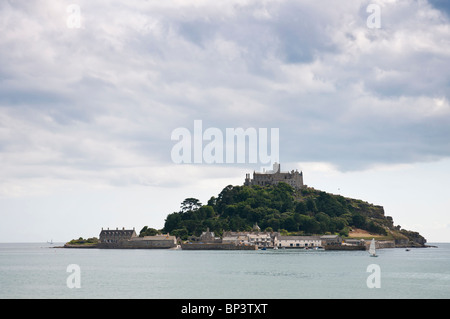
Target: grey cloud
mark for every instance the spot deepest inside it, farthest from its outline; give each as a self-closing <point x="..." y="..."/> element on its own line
<point x="110" y="93"/>
<point x="441" y="5"/>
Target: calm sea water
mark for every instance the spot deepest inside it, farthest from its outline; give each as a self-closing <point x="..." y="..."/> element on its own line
<point x="40" y="271"/>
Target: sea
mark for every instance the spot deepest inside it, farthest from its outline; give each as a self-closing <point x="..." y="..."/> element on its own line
<point x="43" y="271"/>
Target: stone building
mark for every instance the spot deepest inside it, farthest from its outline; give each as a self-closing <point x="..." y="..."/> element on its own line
<point x="254" y="238"/>
<point x="206" y="237"/>
<point x="275" y="176"/>
<point x="127" y="238"/>
<point x="331" y="239"/>
<point x="114" y="236"/>
<point x="260" y="239"/>
<point x="158" y="241"/>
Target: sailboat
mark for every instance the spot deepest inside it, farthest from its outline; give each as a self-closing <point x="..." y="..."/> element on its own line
<point x="372" y="248"/>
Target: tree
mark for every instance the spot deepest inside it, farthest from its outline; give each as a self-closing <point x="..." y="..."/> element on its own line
<point x="344" y="232"/>
<point x="273" y="223"/>
<point x="324" y="221"/>
<point x="309" y="224"/>
<point x="359" y="221"/>
<point x="283" y="197"/>
<point x="289" y="224"/>
<point x="301" y="208"/>
<point x="275" y="207"/>
<point x="332" y="205"/>
<point x="311" y="205"/>
<point x="146" y="231"/>
<point x="206" y="211"/>
<point x="173" y="221"/>
<point x="339" y="223"/>
<point x="190" y="204"/>
<point x="375" y="228"/>
<point x="181" y="233"/>
<point x="212" y="201"/>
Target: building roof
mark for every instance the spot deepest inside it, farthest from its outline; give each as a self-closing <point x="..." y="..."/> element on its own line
<point x="329" y="236"/>
<point x="299" y="237"/>
<point x="259" y="235"/>
<point x="126" y="232"/>
<point x="158" y="237"/>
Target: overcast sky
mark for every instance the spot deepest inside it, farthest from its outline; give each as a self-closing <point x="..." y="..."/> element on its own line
<point x="87" y="111"/>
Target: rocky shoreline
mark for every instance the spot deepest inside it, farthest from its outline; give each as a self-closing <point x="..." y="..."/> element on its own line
<point x="77" y="246"/>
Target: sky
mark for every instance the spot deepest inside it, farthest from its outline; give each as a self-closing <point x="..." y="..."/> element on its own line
<point x="91" y="93"/>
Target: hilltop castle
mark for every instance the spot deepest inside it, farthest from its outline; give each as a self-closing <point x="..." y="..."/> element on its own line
<point x="275" y="176"/>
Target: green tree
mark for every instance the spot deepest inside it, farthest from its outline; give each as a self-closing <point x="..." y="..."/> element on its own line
<point x="309" y="225"/>
<point x="146" y="231"/>
<point x="339" y="224"/>
<point x="311" y="205"/>
<point x="276" y="207"/>
<point x="301" y="208"/>
<point x="181" y="233"/>
<point x="324" y="221"/>
<point x="359" y="221"/>
<point x="190" y="204"/>
<point x="207" y="211"/>
<point x="290" y="224"/>
<point x="173" y="221"/>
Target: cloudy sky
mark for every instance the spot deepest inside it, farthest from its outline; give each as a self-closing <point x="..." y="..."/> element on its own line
<point x="91" y="91"/>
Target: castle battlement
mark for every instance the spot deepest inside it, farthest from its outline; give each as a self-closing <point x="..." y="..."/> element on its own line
<point x="275" y="176"/>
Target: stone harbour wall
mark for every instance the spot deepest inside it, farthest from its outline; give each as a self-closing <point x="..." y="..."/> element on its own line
<point x="217" y="246"/>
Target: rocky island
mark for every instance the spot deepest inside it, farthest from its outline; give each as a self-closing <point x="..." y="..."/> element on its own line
<point x="275" y="207"/>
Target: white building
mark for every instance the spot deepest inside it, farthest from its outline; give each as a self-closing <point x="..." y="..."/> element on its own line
<point x="236" y="239"/>
<point x="260" y="239"/>
<point x="298" y="241"/>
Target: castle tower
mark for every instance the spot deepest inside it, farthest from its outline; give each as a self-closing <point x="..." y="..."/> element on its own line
<point x="247" y="180"/>
<point x="275" y="176"/>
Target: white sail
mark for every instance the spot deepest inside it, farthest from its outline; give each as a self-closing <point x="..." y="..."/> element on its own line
<point x="372" y="247"/>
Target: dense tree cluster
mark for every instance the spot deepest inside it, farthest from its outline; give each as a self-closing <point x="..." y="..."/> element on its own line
<point x="82" y="241"/>
<point x="275" y="208"/>
<point x="147" y="231"/>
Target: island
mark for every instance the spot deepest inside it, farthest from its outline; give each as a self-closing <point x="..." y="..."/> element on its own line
<point x="273" y="209"/>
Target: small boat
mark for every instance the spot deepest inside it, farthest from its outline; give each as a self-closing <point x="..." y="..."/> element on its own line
<point x="407" y="249"/>
<point x="264" y="248"/>
<point x="372" y="252"/>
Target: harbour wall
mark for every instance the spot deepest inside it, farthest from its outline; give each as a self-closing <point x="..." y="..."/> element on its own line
<point x="139" y="244"/>
<point x="216" y="246"/>
<point x="344" y="247"/>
